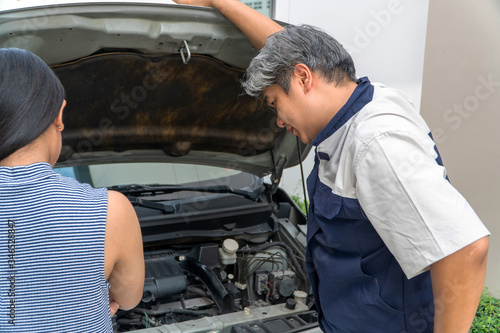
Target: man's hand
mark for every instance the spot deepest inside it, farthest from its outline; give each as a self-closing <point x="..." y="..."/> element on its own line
<point x="254" y="25"/>
<point x="457" y="284"/>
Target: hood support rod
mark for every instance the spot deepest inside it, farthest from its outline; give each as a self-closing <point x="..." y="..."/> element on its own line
<point x="302" y="177"/>
<point x="278" y="171"/>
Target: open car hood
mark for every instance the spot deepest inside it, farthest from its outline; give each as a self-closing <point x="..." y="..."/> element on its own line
<point x="133" y="98"/>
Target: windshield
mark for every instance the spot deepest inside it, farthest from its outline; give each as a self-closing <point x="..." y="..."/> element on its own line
<point x="107" y="175"/>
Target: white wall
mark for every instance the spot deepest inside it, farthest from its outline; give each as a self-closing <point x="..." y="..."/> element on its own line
<point x="386" y="39"/>
<point x="461" y="99"/>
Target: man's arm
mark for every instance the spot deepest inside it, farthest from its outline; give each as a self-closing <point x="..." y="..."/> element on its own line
<point x="457" y="284"/>
<point x="431" y="222"/>
<point x="253" y="24"/>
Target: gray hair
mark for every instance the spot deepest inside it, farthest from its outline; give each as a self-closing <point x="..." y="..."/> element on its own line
<point x="302" y="44"/>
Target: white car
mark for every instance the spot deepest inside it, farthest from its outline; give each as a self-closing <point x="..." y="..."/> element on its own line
<point x="156" y="111"/>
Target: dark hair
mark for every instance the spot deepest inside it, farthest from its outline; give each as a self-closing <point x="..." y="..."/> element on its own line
<point x="31" y="96"/>
<point x="302" y="44"/>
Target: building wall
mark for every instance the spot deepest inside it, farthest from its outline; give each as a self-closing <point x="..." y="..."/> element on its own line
<point x="461" y="101"/>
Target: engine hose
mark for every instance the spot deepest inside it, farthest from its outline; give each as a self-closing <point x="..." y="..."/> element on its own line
<point x="197" y="291"/>
<point x="223" y="300"/>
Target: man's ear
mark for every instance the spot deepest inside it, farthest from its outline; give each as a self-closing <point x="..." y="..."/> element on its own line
<point x="304" y="74"/>
<point x="59" y="121"/>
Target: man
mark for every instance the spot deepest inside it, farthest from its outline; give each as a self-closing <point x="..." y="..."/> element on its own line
<point x="392" y="246"/>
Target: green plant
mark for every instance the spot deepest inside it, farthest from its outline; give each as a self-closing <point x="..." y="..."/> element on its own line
<point x="487" y="318"/>
<point x="299" y="202"/>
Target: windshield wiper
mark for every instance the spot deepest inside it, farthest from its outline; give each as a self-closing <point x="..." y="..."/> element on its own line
<point x="136" y="190"/>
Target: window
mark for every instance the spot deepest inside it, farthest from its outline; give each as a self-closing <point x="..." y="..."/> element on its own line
<point x="265" y="7"/>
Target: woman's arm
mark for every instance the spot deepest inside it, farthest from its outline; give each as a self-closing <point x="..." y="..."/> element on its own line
<point x="253" y="24"/>
<point x="124" y="259"/>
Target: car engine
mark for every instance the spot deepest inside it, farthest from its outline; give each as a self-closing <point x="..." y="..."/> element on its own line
<point x="220" y="262"/>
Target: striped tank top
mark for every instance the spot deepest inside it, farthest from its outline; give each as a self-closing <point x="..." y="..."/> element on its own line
<point x="52" y="232"/>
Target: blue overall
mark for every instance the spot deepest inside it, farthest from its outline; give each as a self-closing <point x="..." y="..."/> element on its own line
<point x="358" y="285"/>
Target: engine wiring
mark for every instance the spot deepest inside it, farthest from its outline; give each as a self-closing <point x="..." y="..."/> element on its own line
<point x="250" y="260"/>
<point x="252" y="270"/>
<point x="246" y="269"/>
<point x="270" y="288"/>
<point x="291" y="259"/>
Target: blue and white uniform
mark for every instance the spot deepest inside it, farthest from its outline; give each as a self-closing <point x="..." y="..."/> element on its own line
<point x="51" y="253"/>
<point x="382" y="210"/>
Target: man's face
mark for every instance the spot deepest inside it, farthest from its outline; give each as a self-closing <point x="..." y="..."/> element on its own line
<point x="290" y="109"/>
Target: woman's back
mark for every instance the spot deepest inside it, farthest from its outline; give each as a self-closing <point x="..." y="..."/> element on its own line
<point x="52" y="275"/>
<point x="62" y="243"/>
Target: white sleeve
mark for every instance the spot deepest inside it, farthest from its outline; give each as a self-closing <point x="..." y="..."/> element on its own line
<point x="419" y="215"/>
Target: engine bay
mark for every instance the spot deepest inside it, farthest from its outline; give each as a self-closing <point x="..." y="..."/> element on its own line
<point x="236" y="263"/>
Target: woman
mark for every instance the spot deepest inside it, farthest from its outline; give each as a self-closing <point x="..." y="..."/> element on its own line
<point x="62" y="243"/>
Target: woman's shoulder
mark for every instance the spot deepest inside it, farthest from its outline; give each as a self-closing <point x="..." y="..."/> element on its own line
<point x="73" y="185"/>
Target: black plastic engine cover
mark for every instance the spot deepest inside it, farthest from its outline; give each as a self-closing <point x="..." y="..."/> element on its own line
<point x="164" y="277"/>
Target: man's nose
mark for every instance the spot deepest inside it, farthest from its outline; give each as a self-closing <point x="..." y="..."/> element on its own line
<point x="280" y="122"/>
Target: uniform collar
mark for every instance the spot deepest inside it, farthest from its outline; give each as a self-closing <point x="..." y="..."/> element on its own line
<point x="361" y="96"/>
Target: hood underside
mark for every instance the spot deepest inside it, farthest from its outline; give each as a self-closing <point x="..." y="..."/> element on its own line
<point x="131" y="98"/>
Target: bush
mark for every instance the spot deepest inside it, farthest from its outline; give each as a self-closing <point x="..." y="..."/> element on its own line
<point x="487" y="318"/>
<point x="299" y="202"/>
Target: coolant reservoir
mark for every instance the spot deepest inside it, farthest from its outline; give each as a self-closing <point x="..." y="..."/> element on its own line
<point x="227" y="253"/>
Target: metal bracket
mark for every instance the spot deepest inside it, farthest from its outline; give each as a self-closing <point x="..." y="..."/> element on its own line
<point x="185" y="48"/>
